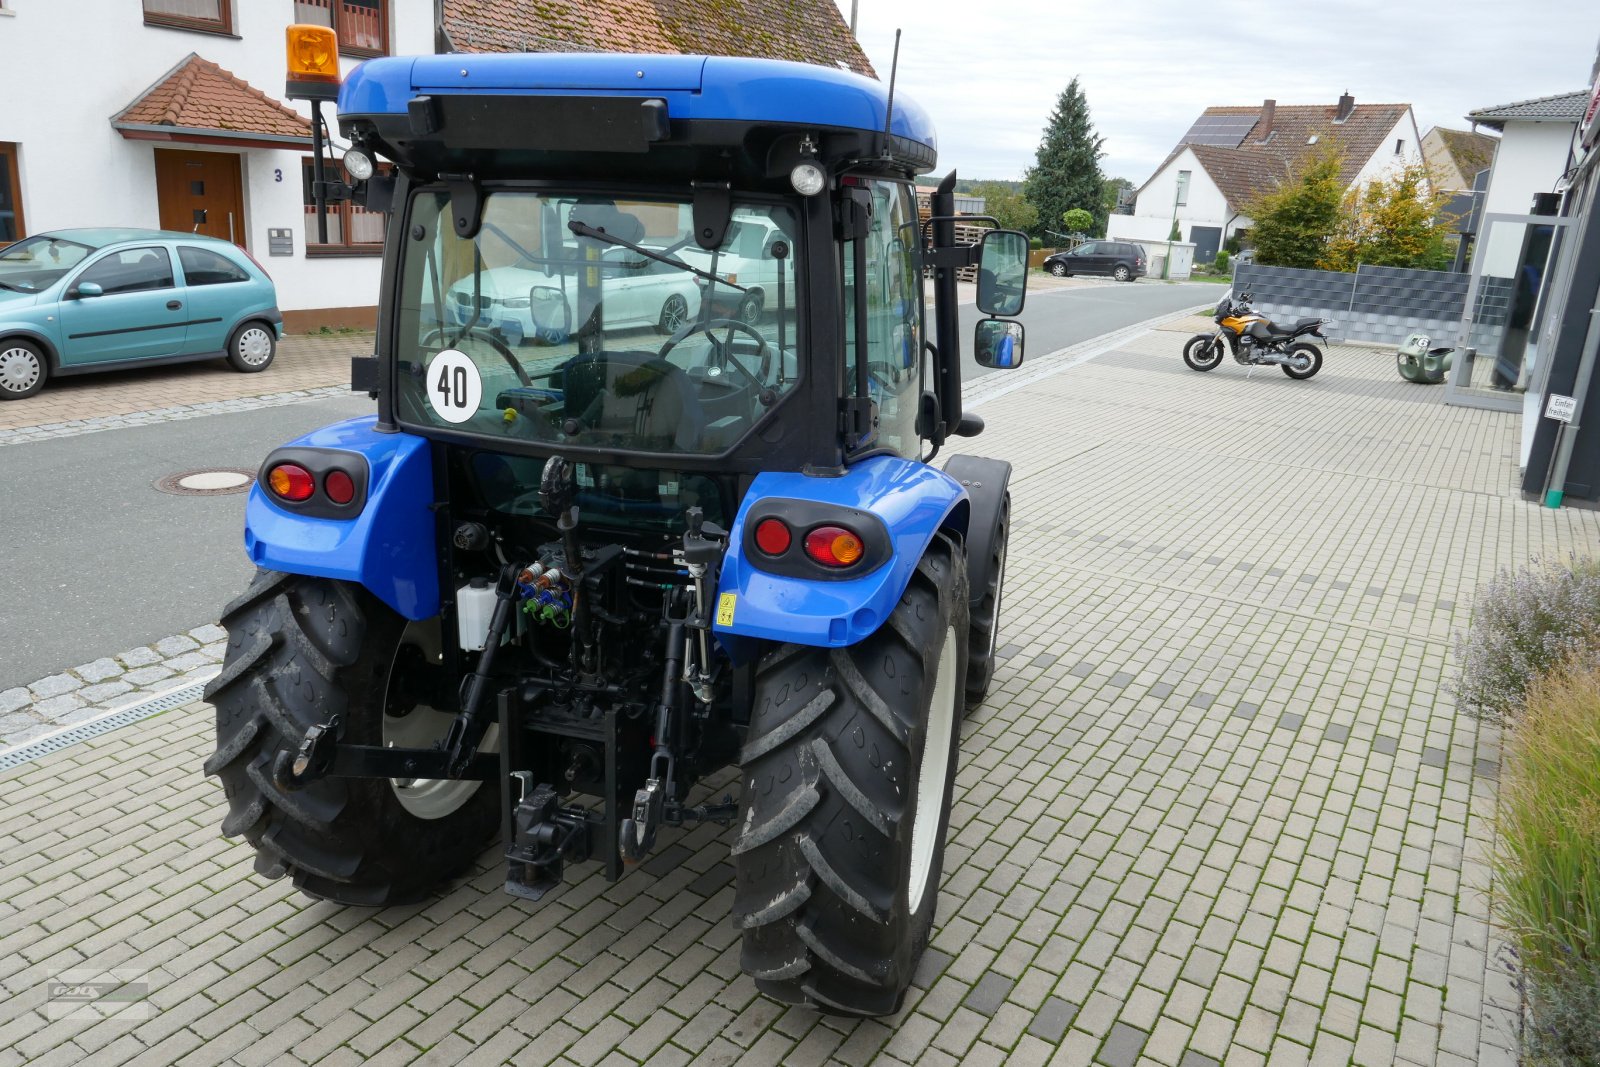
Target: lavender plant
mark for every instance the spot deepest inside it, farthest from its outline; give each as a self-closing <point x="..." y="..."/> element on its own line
<point x="1525" y="624"/>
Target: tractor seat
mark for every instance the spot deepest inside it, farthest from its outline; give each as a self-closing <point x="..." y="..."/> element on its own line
<point x="635" y="399"/>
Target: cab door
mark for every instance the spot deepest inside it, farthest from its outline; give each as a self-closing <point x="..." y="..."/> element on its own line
<point x="138" y="313"/>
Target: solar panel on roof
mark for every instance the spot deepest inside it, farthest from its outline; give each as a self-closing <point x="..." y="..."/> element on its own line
<point x="1224" y="131"/>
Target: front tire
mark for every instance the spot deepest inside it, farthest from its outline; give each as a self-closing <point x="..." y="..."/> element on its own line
<point x="1202" y="352"/>
<point x="252" y="347"/>
<point x="300" y="650"/>
<point x="1058" y="269"/>
<point x="23" y="369"/>
<point x="848" y="771"/>
<point x="674" y="313"/>
<point x="1311" y="357"/>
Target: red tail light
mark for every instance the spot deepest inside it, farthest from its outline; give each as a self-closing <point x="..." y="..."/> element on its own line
<point x="292" y="482"/>
<point x="339" y="486"/>
<point x="773" y="537"/>
<point x="834" y="546"/>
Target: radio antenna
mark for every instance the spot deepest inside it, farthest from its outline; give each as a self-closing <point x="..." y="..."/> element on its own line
<point x="888" y="117"/>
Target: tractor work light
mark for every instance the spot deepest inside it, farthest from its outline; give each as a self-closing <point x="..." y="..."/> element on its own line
<point x="292" y="482"/>
<point x="834" y="546"/>
<point x="807" y="179"/>
<point x="358" y="164"/>
<point x="313" y="63"/>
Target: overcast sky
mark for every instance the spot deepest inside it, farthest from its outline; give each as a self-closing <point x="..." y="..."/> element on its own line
<point x="990" y="73"/>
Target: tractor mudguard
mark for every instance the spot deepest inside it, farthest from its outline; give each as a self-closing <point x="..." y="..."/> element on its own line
<point x="385" y="542"/>
<point x="912" y="500"/>
<point x="985" y="481"/>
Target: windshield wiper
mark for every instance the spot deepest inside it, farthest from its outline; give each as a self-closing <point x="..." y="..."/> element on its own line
<point x="583" y="229"/>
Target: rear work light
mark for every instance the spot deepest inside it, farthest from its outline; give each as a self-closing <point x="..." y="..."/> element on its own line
<point x="833" y="546"/>
<point x="292" y="482"/>
<point x="773" y="537"/>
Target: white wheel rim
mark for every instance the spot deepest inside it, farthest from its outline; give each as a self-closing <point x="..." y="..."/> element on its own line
<point x="428" y="798"/>
<point x="255" y="347"/>
<point x="19" y="369"/>
<point x="934" y="772"/>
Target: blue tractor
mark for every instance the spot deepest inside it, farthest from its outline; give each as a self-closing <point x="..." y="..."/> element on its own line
<point x="647" y="495"/>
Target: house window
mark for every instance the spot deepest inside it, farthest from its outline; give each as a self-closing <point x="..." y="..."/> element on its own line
<point x="362" y="25"/>
<point x="1399" y="146"/>
<point x="11" y="226"/>
<point x="212" y="15"/>
<point x="1182" y="197"/>
<point x="352" y="229"/>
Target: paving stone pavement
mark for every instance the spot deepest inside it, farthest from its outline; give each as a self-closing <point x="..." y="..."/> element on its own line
<point x="1218" y="810"/>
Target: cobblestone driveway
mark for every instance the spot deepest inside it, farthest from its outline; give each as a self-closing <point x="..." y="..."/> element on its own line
<point x="1218" y="810"/>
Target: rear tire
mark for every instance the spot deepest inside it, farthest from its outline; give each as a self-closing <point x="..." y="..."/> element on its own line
<point x="252" y="347"/>
<point x="1122" y="274"/>
<point x="1311" y="352"/>
<point x="1202" y="352"/>
<point x="985" y="628"/>
<point x="300" y="650"/>
<point x="848" y="770"/>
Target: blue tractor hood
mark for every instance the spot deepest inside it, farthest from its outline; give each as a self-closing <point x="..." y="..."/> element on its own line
<point x="695" y="88"/>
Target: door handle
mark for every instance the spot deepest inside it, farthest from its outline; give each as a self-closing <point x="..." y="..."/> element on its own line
<point x="174" y="305"/>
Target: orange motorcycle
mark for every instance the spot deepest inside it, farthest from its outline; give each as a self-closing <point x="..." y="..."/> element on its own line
<point x="1254" y="341"/>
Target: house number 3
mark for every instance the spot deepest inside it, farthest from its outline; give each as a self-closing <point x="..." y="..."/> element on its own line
<point x="277" y="174"/>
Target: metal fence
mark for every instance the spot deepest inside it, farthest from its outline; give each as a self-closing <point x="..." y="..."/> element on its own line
<point x="1377" y="305"/>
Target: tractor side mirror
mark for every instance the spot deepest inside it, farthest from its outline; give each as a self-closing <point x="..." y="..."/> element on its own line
<point x="1002" y="272"/>
<point x="88" y="289"/>
<point x="997" y="343"/>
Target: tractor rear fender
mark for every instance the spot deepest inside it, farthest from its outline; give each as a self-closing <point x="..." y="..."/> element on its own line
<point x="383" y="538"/>
<point x="895" y="504"/>
<point x="986" y="481"/>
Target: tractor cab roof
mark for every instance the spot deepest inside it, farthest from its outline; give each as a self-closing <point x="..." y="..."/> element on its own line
<point x="438" y="111"/>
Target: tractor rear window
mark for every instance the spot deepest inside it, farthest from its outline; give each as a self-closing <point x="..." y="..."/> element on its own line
<point x="593" y="322"/>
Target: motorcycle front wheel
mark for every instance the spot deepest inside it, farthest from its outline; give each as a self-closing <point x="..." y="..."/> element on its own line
<point x="1202" y="352"/>
<point x="1307" y="360"/>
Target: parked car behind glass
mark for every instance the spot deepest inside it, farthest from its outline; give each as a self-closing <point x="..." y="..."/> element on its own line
<point x="75" y="301"/>
<point x="1122" y="260"/>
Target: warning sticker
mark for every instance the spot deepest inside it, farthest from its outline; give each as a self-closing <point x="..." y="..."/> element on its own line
<point x="725" y="606"/>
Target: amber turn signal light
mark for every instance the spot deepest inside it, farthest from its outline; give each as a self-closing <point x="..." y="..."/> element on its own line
<point x="313" y="53"/>
<point x="291" y="482"/>
<point x="834" y="546"/>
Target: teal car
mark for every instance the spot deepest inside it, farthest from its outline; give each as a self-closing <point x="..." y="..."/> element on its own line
<point x="76" y="301"/>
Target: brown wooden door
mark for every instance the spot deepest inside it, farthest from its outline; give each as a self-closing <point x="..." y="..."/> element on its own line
<point x="201" y="192"/>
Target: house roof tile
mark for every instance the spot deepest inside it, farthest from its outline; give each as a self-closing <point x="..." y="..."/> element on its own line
<point x="198" y="95"/>
<point x="1257" y="165"/>
<point x="807" y="31"/>
<point x="1561" y="106"/>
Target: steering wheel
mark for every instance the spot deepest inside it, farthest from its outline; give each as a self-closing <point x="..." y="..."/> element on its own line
<point x="764" y="350"/>
<point x="493" y="342"/>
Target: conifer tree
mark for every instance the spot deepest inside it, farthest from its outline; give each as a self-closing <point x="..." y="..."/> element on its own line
<point x="1066" y="174"/>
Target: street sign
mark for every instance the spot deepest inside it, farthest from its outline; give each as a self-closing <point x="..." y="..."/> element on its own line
<point x="1560" y="407"/>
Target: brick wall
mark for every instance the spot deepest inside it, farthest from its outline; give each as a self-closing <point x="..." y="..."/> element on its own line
<point x="1377" y="305"/>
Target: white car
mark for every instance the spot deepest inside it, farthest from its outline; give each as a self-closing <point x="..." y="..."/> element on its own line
<point x="746" y="260"/>
<point x="524" y="304"/>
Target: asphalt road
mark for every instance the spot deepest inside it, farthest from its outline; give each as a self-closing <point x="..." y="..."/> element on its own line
<point x="94" y="560"/>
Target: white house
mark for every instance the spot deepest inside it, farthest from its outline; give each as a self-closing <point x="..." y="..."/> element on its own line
<point x="1535" y="147"/>
<point x="170" y="113"/>
<point x="1233" y="154"/>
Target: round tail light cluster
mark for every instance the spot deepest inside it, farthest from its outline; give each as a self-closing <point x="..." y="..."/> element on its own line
<point x="292" y="482"/>
<point x="831" y="546"/>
